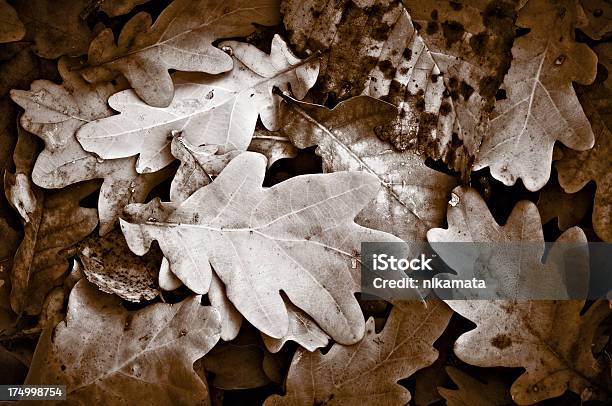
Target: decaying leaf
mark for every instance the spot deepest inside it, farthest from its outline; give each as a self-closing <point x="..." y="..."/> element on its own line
<point x="113" y="268"/>
<point x="541" y="106"/>
<point x="545" y="337"/>
<point x="17" y="186"/>
<point x="470" y="43"/>
<point x="260" y="241"/>
<point x="207" y="109"/>
<point x="11" y="28"/>
<point x="472" y="392"/>
<point x="412" y="197"/>
<point x="513" y="259"/>
<point x="151" y="356"/>
<point x="55" y="113"/>
<point x="366" y="373"/>
<point x="576" y="169"/>
<point x="567" y="208"/>
<point x="231" y="319"/>
<point x="57" y="27"/>
<point x="181" y="38"/>
<point x="55" y="226"/>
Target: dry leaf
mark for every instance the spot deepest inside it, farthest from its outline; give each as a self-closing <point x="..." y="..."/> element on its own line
<point x="55" y="113"/>
<point x="513" y="259"/>
<point x="152" y="351"/>
<point x="57" y="27"/>
<point x="199" y="166"/>
<point x="11" y="28"/>
<point x="207" y="110"/>
<point x="472" y="392"/>
<point x="576" y="169"/>
<point x="567" y="208"/>
<point x="599" y="14"/>
<point x="231" y="319"/>
<point x="109" y="264"/>
<point x="412" y="198"/>
<point x="366" y="373"/>
<point x="181" y="38"/>
<point x="17" y="186"/>
<point x="237" y="364"/>
<point x="55" y="226"/>
<point x="114" y="8"/>
<point x="273" y="146"/>
<point x="541" y="106"/>
<point x="302" y="329"/>
<point x="543" y="336"/>
<point x="260" y="241"/>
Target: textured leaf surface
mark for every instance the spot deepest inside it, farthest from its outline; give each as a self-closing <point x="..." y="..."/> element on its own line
<point x="181" y="38"/>
<point x="298" y="237"/>
<point x="541" y="106"/>
<point x="412" y="197"/>
<point x="153" y="350"/>
<point x="55" y="113"/>
<point x="207" y="110"/>
<point x="366" y="373"/>
<point x="472" y="392"/>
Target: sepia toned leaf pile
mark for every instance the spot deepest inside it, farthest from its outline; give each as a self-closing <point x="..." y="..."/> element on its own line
<point x="187" y="184"/>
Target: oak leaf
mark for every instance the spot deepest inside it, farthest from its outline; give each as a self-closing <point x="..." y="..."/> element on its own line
<point x="152" y="350"/>
<point x="11" y="28"/>
<point x="568" y="208"/>
<point x="509" y="257"/>
<point x="114" y="8"/>
<point x="472" y="392"/>
<point x="57" y="27"/>
<point x="367" y="372"/>
<point x="207" y="109"/>
<point x="55" y="113"/>
<point x="543" y="336"/>
<point x="260" y="241"/>
<point x="599" y="15"/>
<point x="541" y="106"/>
<point x="412" y="197"/>
<point x="576" y="169"/>
<point x="56" y="225"/>
<point x="181" y="38"/>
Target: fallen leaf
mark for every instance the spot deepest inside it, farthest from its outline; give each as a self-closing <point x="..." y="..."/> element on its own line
<point x="470" y="44"/>
<point x="260" y="241"/>
<point x="237" y="364"/>
<point x="576" y="169"/>
<point x="153" y="350"/>
<point x="57" y="27"/>
<point x="181" y="38"/>
<point x="114" y="8"/>
<point x="366" y="373"/>
<point x="199" y="166"/>
<point x="543" y="336"/>
<point x="55" y="113"/>
<point x="472" y="392"/>
<point x="599" y="15"/>
<point x="273" y="146"/>
<point x="231" y="319"/>
<point x="509" y="257"/>
<point x="302" y="330"/>
<point x="109" y="264"/>
<point x="207" y="110"/>
<point x="604" y="52"/>
<point x="17" y="186"/>
<point x="412" y="198"/>
<point x="11" y="28"/>
<point x="541" y="106"/>
<point x="567" y="208"/>
<point x="57" y="224"/>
